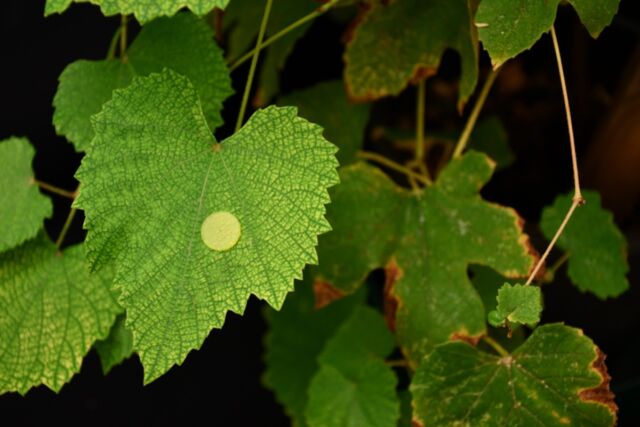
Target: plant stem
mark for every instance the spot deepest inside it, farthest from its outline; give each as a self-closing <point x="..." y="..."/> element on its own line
<point x="420" y="122"/>
<point x="577" y="194"/>
<point x="565" y="96"/>
<point x="495" y="345"/>
<point x="540" y="263"/>
<point x="319" y="11"/>
<point x="123" y="38"/>
<point x="375" y="157"/>
<point x="65" y="227"/>
<point x="111" y="54"/>
<point x="254" y="63"/>
<point x="551" y="271"/>
<point x="55" y="190"/>
<point x="475" y="112"/>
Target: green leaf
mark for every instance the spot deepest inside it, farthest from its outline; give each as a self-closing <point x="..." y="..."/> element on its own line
<point x="508" y="28"/>
<point x="242" y="21"/>
<point x="146" y="208"/>
<point x="327" y="104"/>
<point x="52" y="310"/>
<point x="297" y="335"/>
<point x="517" y="304"/>
<point x="404" y="41"/>
<point x="556" y="378"/>
<point x="117" y="347"/>
<point x="597" y="249"/>
<point x="22" y="207"/>
<point x="426" y="241"/>
<point x="183" y="43"/>
<point x="144" y="11"/>
<point x="354" y="386"/>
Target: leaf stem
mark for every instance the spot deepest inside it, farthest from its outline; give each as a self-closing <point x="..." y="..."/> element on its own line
<point x="111" y="54"/>
<point x="565" y="96"/>
<point x="495" y="345"/>
<point x="65" y="227"/>
<point x="254" y="63"/>
<point x="420" y="122"/>
<point x="551" y="271"/>
<point x="319" y="11"/>
<point x="574" y="205"/>
<point x="55" y="190"/>
<point x="385" y="161"/>
<point x="123" y="38"/>
<point x="475" y="112"/>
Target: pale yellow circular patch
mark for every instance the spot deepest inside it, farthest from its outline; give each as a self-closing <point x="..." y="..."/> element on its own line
<point x="220" y="231"/>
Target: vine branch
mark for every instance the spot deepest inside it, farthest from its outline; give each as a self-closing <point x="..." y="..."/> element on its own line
<point x="385" y="161"/>
<point x="577" y="194"/>
<point x="319" y="11"/>
<point x="254" y="62"/>
<point x="475" y="112"/>
<point x="420" y="149"/>
<point x="123" y="38"/>
<point x="55" y="190"/>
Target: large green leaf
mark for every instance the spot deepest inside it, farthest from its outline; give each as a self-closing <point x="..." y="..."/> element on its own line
<point x="403" y="41"/>
<point x="327" y="104"/>
<point x="143" y="10"/>
<point x="22" y="207"/>
<point x="116" y="347"/>
<point x="508" y="27"/>
<point x="183" y="43"/>
<point x="354" y="386"/>
<point x="556" y="378"/>
<point x="297" y="335"/>
<point x="52" y="310"/>
<point x="426" y="241"/>
<point x="242" y="21"/>
<point x="152" y="177"/>
<point x="597" y="249"/>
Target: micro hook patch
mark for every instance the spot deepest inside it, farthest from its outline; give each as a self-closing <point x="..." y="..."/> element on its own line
<point x="220" y="231"/>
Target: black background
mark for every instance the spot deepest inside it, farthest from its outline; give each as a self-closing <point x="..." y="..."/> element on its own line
<point x="220" y="383"/>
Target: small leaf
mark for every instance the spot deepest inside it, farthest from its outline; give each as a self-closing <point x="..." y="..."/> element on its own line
<point x="426" y="241"/>
<point x="22" y="207"/>
<point x="145" y="211"/>
<point x="508" y="28"/>
<point x="327" y="105"/>
<point x="354" y="387"/>
<point x="403" y="41"/>
<point x="143" y="10"/>
<point x="297" y="335"/>
<point x="117" y="347"/>
<point x="517" y="304"/>
<point x="183" y="43"/>
<point x="556" y="378"/>
<point x="52" y="310"/>
<point x="597" y="249"/>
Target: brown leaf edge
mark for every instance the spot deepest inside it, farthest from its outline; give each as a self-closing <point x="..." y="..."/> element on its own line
<point x="391" y="303"/>
<point x="325" y="293"/>
<point x="601" y="394"/>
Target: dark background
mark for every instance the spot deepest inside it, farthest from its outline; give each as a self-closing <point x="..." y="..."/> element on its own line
<point x="220" y="383"/>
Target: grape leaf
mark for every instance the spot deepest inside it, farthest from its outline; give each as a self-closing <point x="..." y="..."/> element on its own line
<point x="508" y="28"/>
<point x="182" y="43"/>
<point x="327" y="104"/>
<point x="144" y="11"/>
<point x="403" y="41"/>
<point x="426" y="242"/>
<point x="117" y="347"/>
<point x="22" y="207"/>
<point x="597" y="249"/>
<point x="242" y="21"/>
<point x="517" y="304"/>
<point x="556" y="378"/>
<point x="297" y="334"/>
<point x="354" y="387"/>
<point x="51" y="311"/>
<point x="155" y="173"/>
